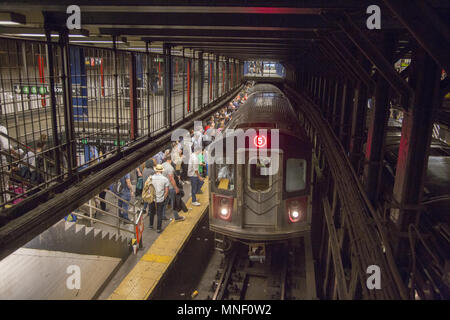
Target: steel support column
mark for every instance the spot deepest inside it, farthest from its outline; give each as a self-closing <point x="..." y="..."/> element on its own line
<point x="148" y="75"/>
<point x="184" y="78"/>
<point x="346" y="114"/>
<point x="414" y="148"/>
<point x="337" y="106"/>
<point x="133" y="98"/>
<point x="54" y="120"/>
<point x="68" y="103"/>
<point x="216" y="87"/>
<point x="167" y="84"/>
<point x="116" y="91"/>
<point x="374" y="154"/>
<point x="201" y="79"/>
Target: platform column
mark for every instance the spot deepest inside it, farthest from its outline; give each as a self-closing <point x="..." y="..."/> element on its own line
<point x="374" y="153"/>
<point x="201" y="79"/>
<point x="167" y="85"/>
<point x="68" y="103"/>
<point x="414" y="149"/>
<point x="345" y="121"/>
<point x="51" y="78"/>
<point x="149" y="79"/>
<point x="133" y="97"/>
<point x="227" y="74"/>
<point x="116" y="90"/>
<point x="216" y="87"/>
<point x="337" y="105"/>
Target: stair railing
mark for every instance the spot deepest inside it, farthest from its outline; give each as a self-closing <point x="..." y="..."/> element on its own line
<point x="132" y="212"/>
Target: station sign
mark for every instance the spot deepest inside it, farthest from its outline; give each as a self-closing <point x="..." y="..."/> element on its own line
<point x="122" y="142"/>
<point x="40" y="89"/>
<point x="92" y="61"/>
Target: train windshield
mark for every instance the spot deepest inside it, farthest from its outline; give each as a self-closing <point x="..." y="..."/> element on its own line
<point x="224" y="176"/>
<point x="260" y="174"/>
<point x="295" y="174"/>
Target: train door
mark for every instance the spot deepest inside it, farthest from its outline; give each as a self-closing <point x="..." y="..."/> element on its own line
<point x="261" y="188"/>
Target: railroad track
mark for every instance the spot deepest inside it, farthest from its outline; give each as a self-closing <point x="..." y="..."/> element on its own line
<point x="279" y="277"/>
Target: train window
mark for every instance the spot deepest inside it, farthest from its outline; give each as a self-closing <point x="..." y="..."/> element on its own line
<point x="295" y="175"/>
<point x="224" y="176"/>
<point x="259" y="179"/>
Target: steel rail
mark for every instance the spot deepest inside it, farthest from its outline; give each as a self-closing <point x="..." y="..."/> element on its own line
<point x="364" y="224"/>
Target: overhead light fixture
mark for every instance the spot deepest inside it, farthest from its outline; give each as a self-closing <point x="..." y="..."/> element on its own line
<point x="39" y="33"/>
<point x="121" y="40"/>
<point x="11" y="18"/>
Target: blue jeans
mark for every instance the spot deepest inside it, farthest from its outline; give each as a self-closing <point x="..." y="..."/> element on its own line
<point x="158" y="209"/>
<point x="171" y="199"/>
<point x="196" y="185"/>
<point x="123" y="213"/>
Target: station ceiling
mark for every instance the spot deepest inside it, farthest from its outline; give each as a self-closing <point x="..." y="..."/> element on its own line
<point x="276" y="30"/>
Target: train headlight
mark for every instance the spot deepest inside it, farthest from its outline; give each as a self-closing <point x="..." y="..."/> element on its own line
<point x="296" y="209"/>
<point x="224" y="212"/>
<point x="223" y="207"/>
<point x="295" y="215"/>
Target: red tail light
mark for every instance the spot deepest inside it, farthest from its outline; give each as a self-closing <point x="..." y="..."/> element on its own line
<point x="223" y="207"/>
<point x="296" y="209"/>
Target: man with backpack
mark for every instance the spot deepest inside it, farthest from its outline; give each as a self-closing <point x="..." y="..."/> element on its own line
<point x="155" y="192"/>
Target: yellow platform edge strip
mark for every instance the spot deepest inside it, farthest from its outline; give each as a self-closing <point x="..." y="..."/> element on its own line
<point x="146" y="274"/>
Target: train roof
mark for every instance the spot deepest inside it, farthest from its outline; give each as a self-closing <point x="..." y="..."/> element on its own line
<point x="266" y="107"/>
<point x="264" y="87"/>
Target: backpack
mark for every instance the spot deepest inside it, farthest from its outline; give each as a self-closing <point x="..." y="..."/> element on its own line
<point x="118" y="187"/>
<point x="148" y="193"/>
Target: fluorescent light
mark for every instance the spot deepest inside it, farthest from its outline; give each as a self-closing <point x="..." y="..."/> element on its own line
<point x="9" y="23"/>
<point x="40" y="33"/>
<point x="96" y="41"/>
<point x="11" y="18"/>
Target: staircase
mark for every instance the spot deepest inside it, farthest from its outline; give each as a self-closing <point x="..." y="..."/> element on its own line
<point x="77" y="238"/>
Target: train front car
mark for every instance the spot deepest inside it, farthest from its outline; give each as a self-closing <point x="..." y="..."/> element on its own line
<point x="260" y="173"/>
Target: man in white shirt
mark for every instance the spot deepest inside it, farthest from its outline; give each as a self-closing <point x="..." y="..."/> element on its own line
<point x="194" y="176"/>
<point x="161" y="185"/>
<point x="169" y="173"/>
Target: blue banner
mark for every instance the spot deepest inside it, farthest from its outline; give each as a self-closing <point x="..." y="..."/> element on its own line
<point x="79" y="84"/>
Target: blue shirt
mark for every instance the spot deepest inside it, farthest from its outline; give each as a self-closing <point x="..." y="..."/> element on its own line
<point x="123" y="181"/>
<point x="159" y="157"/>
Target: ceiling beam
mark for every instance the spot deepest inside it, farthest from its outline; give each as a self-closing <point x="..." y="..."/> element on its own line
<point x="426" y="26"/>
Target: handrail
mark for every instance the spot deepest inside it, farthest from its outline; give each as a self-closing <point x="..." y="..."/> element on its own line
<point x="123" y="200"/>
<point x="100" y="221"/>
<point x="91" y="207"/>
<point x="115" y="205"/>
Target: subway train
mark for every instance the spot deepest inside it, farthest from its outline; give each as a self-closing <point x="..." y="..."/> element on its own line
<point x="260" y="173"/>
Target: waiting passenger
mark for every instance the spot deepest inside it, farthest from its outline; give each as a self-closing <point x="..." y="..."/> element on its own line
<point x="147" y="172"/>
<point x="169" y="173"/>
<point x="161" y="185"/>
<point x="194" y="176"/>
<point x="125" y="192"/>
